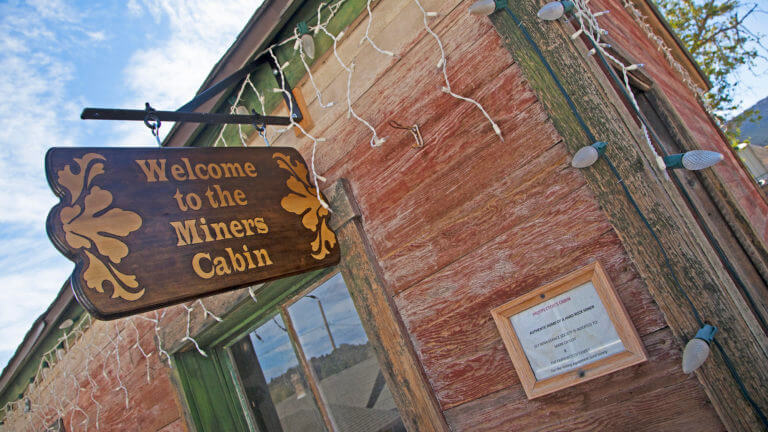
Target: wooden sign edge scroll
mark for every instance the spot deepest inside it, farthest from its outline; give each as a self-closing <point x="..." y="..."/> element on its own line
<point x="108" y="303"/>
<point x="633" y="354"/>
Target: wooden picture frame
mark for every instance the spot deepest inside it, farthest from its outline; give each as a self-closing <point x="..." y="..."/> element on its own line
<point x="563" y="323"/>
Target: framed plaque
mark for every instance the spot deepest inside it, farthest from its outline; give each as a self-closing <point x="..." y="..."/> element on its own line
<point x="569" y="331"/>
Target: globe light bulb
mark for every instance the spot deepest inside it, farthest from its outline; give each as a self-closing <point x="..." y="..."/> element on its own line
<point x="67" y="323"/>
<point x="555" y="10"/>
<point x="588" y="155"/>
<point x="307" y="42"/>
<point x="308" y="45"/>
<point x="697" y="349"/>
<point x="483" y="7"/>
<point x="693" y="160"/>
<point x="700" y="159"/>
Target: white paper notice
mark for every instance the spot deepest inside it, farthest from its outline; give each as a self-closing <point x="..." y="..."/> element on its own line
<point x="566" y="332"/>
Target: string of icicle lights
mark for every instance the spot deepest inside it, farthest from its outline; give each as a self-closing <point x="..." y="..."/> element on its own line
<point x="72" y="368"/>
<point x="321" y="26"/>
<point x="50" y="397"/>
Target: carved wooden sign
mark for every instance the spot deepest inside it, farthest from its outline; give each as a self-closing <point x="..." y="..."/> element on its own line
<point x="149" y="227"/>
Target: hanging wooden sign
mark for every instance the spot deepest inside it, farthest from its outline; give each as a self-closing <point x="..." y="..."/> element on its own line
<point x="150" y="227"/>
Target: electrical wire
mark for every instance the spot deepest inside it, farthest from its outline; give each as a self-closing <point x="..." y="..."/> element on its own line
<point x="634" y="204"/>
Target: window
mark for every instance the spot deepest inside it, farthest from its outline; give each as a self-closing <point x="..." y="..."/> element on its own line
<point x="307" y="354"/>
<point x="311" y="367"/>
<point x="305" y="364"/>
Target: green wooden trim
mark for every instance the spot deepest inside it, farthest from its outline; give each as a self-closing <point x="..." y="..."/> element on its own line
<point x="209" y="384"/>
<point x="229" y="366"/>
<point x="263" y="78"/>
<point x="210" y="395"/>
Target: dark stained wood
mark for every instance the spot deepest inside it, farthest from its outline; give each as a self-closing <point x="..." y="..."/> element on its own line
<point x="743" y="205"/>
<point x="152" y="227"/>
<point x="618" y="395"/>
<point x="715" y="204"/>
<point x="693" y="260"/>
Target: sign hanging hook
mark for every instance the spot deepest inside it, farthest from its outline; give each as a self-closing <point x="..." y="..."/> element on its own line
<point x="261" y="126"/>
<point x="152" y="121"/>
<point x="414" y="130"/>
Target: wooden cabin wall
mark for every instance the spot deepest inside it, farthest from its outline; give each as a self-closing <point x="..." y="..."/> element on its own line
<point x="625" y="33"/>
<point x="469" y="222"/>
<point x="152" y="404"/>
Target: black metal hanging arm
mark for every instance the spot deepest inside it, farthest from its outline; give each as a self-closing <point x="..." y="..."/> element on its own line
<point x="186" y="113"/>
<point x="178" y="116"/>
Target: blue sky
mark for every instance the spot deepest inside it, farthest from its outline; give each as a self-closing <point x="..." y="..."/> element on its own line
<point x="753" y="84"/>
<point x="59" y="56"/>
<point x="274" y="350"/>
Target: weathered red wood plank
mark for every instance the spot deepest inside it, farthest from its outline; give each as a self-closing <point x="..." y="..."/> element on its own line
<point x="680" y="407"/>
<point x="448" y="313"/>
<point x="466" y="213"/>
<point x="622" y="394"/>
<point x="412" y="88"/>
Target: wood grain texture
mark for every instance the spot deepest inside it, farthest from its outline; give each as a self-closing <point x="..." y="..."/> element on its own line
<point x="468" y="222"/>
<point x="412" y="394"/>
<point x="155" y="227"/>
<point x="430" y="109"/>
<point x="448" y="314"/>
<point x="613" y="399"/>
<point x="727" y="225"/>
<point x="692" y="259"/>
<point x="735" y="184"/>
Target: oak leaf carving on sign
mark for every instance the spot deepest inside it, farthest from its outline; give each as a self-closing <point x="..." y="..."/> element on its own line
<point x="89" y="224"/>
<point x="303" y="201"/>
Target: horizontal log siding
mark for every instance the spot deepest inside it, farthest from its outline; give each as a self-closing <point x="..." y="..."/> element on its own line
<point x="152" y="405"/>
<point x="469" y="222"/>
<point x="740" y="199"/>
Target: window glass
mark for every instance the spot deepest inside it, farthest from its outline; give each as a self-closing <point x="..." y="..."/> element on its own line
<point x="274" y="382"/>
<point x="342" y="360"/>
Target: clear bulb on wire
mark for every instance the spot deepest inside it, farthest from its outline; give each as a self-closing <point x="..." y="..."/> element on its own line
<point x="306" y="40"/>
<point x="697" y="349"/>
<point x="588" y="155"/>
<point x="308" y="45"/>
<point x="483" y="7"/>
<point x="555" y="10"/>
<point x="693" y="160"/>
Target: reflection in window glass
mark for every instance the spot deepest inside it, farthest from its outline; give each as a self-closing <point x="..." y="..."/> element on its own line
<point x="337" y="348"/>
<point x="274" y="382"/>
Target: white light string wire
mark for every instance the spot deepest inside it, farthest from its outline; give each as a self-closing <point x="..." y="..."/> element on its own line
<point x="187" y="337"/>
<point x="589" y="26"/>
<point x="315" y="140"/>
<point x="442" y="64"/>
<point x="45" y="378"/>
<point x="641" y="21"/>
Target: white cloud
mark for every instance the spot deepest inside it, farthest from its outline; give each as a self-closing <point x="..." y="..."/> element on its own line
<point x="32" y="118"/>
<point x="39" y="110"/>
<point x="169" y="72"/>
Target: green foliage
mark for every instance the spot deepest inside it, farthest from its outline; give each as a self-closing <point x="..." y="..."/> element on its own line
<point x="715" y="35"/>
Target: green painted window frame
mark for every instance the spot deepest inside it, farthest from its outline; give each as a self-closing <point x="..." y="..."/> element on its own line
<point x="214" y="397"/>
<point x="211" y="399"/>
